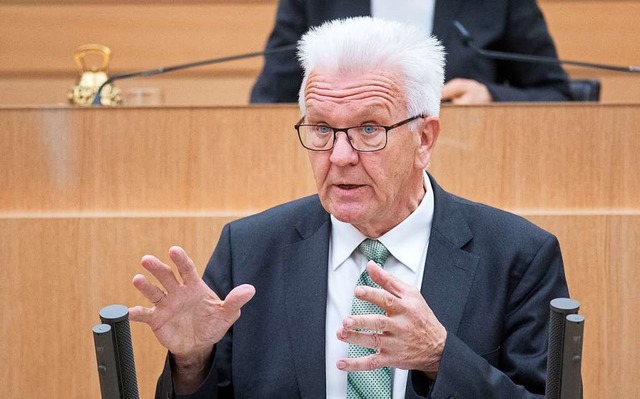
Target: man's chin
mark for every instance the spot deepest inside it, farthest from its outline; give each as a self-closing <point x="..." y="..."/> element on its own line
<point x="347" y="214"/>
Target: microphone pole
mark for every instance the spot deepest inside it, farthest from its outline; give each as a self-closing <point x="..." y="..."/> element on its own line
<point x="536" y="59"/>
<point x="158" y="71"/>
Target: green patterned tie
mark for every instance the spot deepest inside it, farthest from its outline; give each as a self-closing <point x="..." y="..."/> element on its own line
<point x="372" y="384"/>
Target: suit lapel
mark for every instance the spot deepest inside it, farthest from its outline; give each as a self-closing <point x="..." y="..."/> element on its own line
<point x="306" y="283"/>
<point x="449" y="270"/>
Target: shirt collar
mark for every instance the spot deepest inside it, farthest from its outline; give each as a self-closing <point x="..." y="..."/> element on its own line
<point x="403" y="241"/>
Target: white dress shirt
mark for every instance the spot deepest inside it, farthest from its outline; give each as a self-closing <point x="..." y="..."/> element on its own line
<point x="408" y="243"/>
<point x="415" y="12"/>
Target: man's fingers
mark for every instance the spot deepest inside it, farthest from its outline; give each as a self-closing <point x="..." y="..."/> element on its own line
<point x="185" y="265"/>
<point x="453" y="89"/>
<point x="161" y="272"/>
<point x="371" y="340"/>
<point x="385" y="280"/>
<point x="370" y="362"/>
<point x="152" y="292"/>
<point x="140" y="314"/>
<point x="466" y="91"/>
<point x="239" y="296"/>
<point x="379" y="297"/>
<point x="373" y="322"/>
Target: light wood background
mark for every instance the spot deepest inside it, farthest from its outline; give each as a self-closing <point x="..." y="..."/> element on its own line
<point x="87" y="192"/>
<point x="38" y="40"/>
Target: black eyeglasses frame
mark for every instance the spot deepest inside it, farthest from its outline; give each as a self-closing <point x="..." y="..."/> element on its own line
<point x="345" y="130"/>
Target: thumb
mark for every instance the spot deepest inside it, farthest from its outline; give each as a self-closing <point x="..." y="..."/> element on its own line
<point x="239" y="296"/>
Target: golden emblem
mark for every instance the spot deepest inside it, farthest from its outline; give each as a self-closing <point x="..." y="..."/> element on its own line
<point x="92" y="77"/>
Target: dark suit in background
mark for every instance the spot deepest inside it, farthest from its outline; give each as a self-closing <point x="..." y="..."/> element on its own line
<point x="489" y="277"/>
<point x="515" y="26"/>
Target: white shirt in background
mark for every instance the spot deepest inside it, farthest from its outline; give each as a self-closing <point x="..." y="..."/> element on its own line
<point x="414" y="12"/>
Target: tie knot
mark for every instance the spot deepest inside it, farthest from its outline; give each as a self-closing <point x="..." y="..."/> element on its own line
<point x="374" y="250"/>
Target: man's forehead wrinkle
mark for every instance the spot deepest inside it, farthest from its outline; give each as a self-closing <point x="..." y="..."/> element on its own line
<point x="376" y="91"/>
<point x="351" y="94"/>
<point x="385" y="93"/>
<point x="376" y="78"/>
<point x="380" y="81"/>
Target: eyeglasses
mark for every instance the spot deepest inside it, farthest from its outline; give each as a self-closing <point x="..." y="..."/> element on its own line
<point x="365" y="138"/>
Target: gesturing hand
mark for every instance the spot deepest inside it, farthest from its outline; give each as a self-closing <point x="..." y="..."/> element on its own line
<point x="409" y="337"/>
<point x="466" y="91"/>
<point x="188" y="318"/>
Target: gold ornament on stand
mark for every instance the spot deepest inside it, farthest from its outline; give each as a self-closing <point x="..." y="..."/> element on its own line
<point x="92" y="77"/>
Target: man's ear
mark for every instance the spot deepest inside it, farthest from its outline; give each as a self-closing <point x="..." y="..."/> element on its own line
<point x="429" y="130"/>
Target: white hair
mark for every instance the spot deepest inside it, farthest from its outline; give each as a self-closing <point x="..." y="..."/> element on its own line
<point x="364" y="44"/>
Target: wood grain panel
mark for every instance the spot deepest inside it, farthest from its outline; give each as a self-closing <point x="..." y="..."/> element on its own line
<point x="600" y="253"/>
<point x="59" y="272"/>
<point x="151" y="159"/>
<point x="521" y="157"/>
<point x="599" y="31"/>
<point x="174" y="91"/>
<point x="42" y="39"/>
<point x="62" y="270"/>
<point x="565" y="156"/>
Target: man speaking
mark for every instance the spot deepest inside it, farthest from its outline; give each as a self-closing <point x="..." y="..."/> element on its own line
<point x="382" y="285"/>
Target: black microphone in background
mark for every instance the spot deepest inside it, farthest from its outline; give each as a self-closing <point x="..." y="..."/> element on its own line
<point x="161" y="70"/>
<point x="564" y="356"/>
<point x="536" y="59"/>
<point x="114" y="354"/>
<point x="571" y="387"/>
<point x="107" y="364"/>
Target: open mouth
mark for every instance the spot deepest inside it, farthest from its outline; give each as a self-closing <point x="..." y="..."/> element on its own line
<point x="348" y="186"/>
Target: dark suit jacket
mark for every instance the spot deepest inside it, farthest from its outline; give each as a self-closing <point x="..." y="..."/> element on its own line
<point x="489" y="277"/>
<point x="515" y="26"/>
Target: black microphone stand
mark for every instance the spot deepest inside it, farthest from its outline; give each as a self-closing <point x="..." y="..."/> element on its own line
<point x="467" y="39"/>
<point x="157" y="71"/>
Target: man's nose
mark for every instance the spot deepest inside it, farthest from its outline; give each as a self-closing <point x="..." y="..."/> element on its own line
<point x="342" y="152"/>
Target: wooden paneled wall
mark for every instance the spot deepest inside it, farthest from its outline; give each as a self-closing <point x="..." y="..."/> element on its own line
<point x="38" y="39"/>
<point x="600" y="31"/>
<point x="87" y="192"/>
